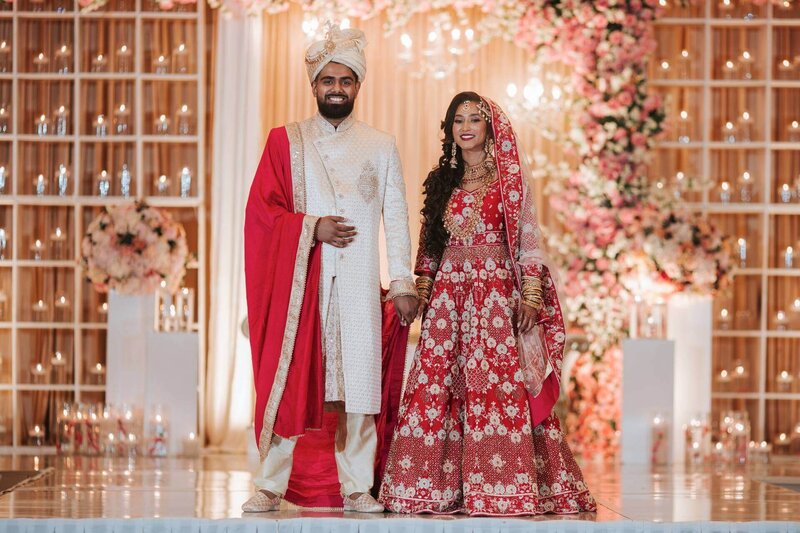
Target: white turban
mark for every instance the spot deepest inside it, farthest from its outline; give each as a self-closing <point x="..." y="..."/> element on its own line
<point x="340" y="46"/>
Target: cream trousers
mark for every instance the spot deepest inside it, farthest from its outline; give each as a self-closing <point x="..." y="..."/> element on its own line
<point x="356" y="446"/>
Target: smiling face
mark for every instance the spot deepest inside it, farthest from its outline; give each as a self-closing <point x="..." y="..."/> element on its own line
<point x="335" y="89"/>
<point x="469" y="127"/>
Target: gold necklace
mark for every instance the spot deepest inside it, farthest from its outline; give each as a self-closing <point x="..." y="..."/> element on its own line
<point x="467" y="229"/>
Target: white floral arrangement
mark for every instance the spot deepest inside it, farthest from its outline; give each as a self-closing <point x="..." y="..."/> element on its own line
<point x="131" y="248"/>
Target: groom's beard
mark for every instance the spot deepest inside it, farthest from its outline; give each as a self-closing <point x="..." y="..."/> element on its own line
<point x="334" y="111"/>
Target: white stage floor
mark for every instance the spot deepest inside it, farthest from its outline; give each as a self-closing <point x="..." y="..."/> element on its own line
<point x="192" y="495"/>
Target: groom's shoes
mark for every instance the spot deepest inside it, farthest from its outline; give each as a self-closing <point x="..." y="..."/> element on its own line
<point x="362" y="504"/>
<point x="261" y="503"/>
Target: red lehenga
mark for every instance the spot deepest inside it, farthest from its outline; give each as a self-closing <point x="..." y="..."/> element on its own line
<point x="469" y="437"/>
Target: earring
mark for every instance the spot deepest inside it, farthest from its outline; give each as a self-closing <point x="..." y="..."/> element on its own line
<point x="488" y="147"/>
<point x="453" y="156"/>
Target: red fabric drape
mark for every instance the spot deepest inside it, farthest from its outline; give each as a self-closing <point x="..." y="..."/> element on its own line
<point x="272" y="234"/>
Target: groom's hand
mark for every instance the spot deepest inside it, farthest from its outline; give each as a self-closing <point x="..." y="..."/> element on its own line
<point x="406" y="307"/>
<point x="332" y="231"/>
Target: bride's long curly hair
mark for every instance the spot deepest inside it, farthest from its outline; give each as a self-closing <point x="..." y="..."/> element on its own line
<point x="442" y="179"/>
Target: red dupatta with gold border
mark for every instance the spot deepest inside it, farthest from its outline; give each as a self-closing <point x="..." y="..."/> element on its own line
<point x="524" y="241"/>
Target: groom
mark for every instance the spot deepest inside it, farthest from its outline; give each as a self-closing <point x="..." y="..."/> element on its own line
<point x="313" y="278"/>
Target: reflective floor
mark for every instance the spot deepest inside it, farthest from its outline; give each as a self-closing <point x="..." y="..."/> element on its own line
<point x="215" y="486"/>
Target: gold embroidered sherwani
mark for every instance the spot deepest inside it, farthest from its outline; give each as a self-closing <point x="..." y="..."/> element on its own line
<point x="354" y="171"/>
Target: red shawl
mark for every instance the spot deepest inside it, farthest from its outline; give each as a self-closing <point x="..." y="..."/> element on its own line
<point x="282" y="270"/>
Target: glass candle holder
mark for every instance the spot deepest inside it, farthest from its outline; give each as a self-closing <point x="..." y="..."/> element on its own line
<point x="746" y="60"/>
<point x="785" y="193"/>
<point x="60" y="121"/>
<point x="746" y="187"/>
<point x="186" y="182"/>
<point x="161" y="125"/>
<point x="659" y="440"/>
<point x="103" y="184"/>
<point x="100" y="126"/>
<point x="98" y="373"/>
<point x="729" y="70"/>
<point x="62" y="180"/>
<point x="181" y="59"/>
<point x="724" y="319"/>
<point x="5" y="56"/>
<point x="684" y="125"/>
<point x="42" y="125"/>
<point x="37" y="249"/>
<point x="41" y="63"/>
<point x="36" y="436"/>
<point x="793" y="131"/>
<point x="161" y="65"/>
<point x="729" y="131"/>
<point x="3" y="243"/>
<point x="725" y="192"/>
<point x="184" y="115"/>
<point x="124" y="59"/>
<point x="788" y="257"/>
<point x="122" y="117"/>
<point x="99" y="63"/>
<point x="125" y="180"/>
<point x="742" y="242"/>
<point x="162" y="184"/>
<point x="5" y="119"/>
<point x="684" y="63"/>
<point x="3" y="177"/>
<point x="59" y="239"/>
<point x="158" y="432"/>
<point x="63" y="59"/>
<point x="781" y="320"/>
<point x="746" y="126"/>
<point x="785" y="66"/>
<point x="40" y="185"/>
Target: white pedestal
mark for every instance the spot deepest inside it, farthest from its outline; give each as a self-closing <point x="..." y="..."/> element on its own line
<point x="689" y="324"/>
<point x="648" y="387"/>
<point x="146" y="367"/>
<point x="672" y="377"/>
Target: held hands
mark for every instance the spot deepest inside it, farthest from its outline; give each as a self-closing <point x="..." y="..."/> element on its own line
<point x="406" y="308"/>
<point x="331" y="230"/>
<point x="528" y="316"/>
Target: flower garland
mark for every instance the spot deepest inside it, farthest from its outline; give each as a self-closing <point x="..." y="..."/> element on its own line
<point x="131" y="248"/>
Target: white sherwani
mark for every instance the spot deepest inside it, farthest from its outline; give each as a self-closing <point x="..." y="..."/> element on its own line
<point x="354" y="171"/>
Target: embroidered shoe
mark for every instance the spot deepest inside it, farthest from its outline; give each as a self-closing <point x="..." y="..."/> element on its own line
<point x="363" y="504"/>
<point x="261" y="503"/>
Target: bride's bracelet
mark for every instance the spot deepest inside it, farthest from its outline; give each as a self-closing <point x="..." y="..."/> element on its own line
<point x="424" y="285"/>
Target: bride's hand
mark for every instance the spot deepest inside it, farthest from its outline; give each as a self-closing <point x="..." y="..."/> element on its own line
<point x="527" y="318"/>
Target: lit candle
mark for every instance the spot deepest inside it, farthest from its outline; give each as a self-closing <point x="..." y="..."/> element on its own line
<point x="3" y="243"/>
<point x="97" y="370"/>
<point x="103" y="308"/>
<point x="747" y="59"/>
<point x="101" y="128"/>
<point x="161" y="65"/>
<point x="683" y="127"/>
<point x="38" y="370"/>
<point x="746" y="122"/>
<point x="742" y="251"/>
<point x="40" y="184"/>
<point x="794" y="129"/>
<point x="725" y="192"/>
<point x="62" y="179"/>
<point x="186" y="182"/>
<point x="162" y="125"/>
<point x="121" y="115"/>
<point x="785" y="65"/>
<point x="745" y="191"/>
<point x="784" y="378"/>
<point x="42" y="125"/>
<point x="58" y="359"/>
<point x="41" y="61"/>
<point x="664" y="66"/>
<point x="729" y="132"/>
<point x="184" y="118"/>
<point x="103" y="184"/>
<point x="781" y="320"/>
<point x="58" y="235"/>
<point x="4" y="119"/>
<point x="724" y="318"/>
<point x="739" y="370"/>
<point x="723" y="376"/>
<point x="62" y="59"/>
<point x="39" y="306"/>
<point x="99" y="63"/>
<point x="162" y="184"/>
<point x="125" y="180"/>
<point x="37" y="248"/>
<point x="124" y="56"/>
<point x="729" y="69"/>
<point x="181" y="54"/>
<point x="191" y="445"/>
<point x="62" y="302"/>
<point x="5" y="56"/>
<point x="788" y="257"/>
<point x="796" y="305"/>
<point x="726" y="6"/>
<point x="786" y="193"/>
<point x="36" y="436"/>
